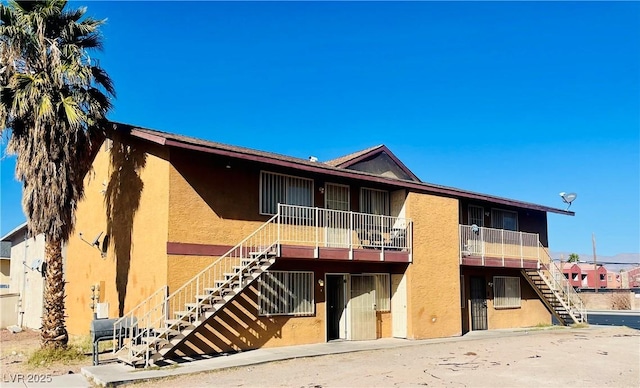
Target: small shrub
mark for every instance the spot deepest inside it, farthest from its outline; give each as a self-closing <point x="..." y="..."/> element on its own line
<point x="78" y="349"/>
<point x="620" y="302"/>
<point x="43" y="357"/>
<point x="580" y="325"/>
<point x="84" y="343"/>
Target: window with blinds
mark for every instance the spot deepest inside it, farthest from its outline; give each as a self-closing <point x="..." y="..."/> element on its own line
<point x="286" y="293"/>
<point x="506" y="292"/>
<point x="285" y="189"/>
<point x="476" y="215"/>
<point x="374" y="201"/>
<point x="337" y="197"/>
<point x="504" y="219"/>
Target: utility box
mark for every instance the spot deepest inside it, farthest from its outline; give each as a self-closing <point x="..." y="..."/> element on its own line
<point x="102" y="310"/>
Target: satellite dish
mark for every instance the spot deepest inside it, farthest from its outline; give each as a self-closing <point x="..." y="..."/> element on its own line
<point x="568" y="198"/>
<point x="35" y="264"/>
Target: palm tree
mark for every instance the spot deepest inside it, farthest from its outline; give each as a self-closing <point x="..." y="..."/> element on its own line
<point x="53" y="102"/>
<point x="573" y="258"/>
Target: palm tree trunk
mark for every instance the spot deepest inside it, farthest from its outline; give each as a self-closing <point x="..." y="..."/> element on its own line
<point x="54" y="331"/>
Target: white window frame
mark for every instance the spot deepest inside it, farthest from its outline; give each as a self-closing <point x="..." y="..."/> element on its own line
<point x="506" y="292"/>
<point x="496" y="211"/>
<point x="470" y="219"/>
<point x="386" y="205"/>
<point x="287" y="179"/>
<point x="286" y="293"/>
<point x="327" y="186"/>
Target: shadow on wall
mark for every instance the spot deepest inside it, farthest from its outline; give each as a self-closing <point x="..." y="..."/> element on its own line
<point x="218" y="186"/>
<point x="236" y="327"/>
<point x="122" y="199"/>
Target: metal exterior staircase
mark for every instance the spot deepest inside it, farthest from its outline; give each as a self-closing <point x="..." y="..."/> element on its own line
<point x="153" y="329"/>
<point x="555" y="290"/>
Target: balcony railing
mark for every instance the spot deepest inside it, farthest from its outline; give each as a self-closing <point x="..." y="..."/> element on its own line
<point x="325" y="228"/>
<point x="502" y="244"/>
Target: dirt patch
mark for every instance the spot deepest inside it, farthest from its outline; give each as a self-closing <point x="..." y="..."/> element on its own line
<point x="16" y="349"/>
<point x="586" y="357"/>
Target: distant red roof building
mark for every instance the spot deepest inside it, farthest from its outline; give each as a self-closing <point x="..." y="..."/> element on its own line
<point x="584" y="275"/>
<point x="631" y="278"/>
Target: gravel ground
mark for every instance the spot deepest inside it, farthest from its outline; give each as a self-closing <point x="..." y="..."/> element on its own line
<point x="589" y="357"/>
<point x="15" y="350"/>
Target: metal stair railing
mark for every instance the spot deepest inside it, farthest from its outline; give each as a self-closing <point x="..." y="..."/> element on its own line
<point x="153" y="313"/>
<point x="562" y="289"/>
<point x="138" y="322"/>
<point x="227" y="269"/>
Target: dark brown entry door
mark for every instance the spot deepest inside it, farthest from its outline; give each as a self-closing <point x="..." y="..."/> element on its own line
<point x="478" y="303"/>
<point x="336" y="320"/>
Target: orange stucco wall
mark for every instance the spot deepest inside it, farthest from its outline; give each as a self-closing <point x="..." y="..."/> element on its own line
<point x="239" y="327"/>
<point x="531" y="312"/>
<point x="210" y="204"/>
<point x="433" y="280"/>
<point x="133" y="181"/>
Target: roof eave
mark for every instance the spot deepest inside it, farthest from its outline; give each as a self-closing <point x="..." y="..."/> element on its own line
<point x="321" y="168"/>
<point x="16" y="230"/>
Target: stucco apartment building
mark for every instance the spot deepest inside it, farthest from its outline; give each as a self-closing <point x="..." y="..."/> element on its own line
<point x="205" y="247"/>
<point x="22" y="302"/>
<point x="584" y="275"/>
<point x="631" y="278"/>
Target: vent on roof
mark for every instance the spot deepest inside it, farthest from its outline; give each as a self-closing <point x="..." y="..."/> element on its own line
<point x="313" y="159"/>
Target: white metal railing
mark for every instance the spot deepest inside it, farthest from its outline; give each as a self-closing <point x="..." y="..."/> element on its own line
<point x="317" y="227"/>
<point x="561" y="286"/>
<point x="137" y="324"/>
<point x="155" y="317"/>
<point x="483" y="242"/>
<point x="498" y="243"/>
<point x="221" y="273"/>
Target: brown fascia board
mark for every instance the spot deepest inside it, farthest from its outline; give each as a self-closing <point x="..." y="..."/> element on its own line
<point x="187" y="143"/>
<point x="376" y="151"/>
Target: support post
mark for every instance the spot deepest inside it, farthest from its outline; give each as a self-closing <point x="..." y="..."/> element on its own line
<point x="596" y="276"/>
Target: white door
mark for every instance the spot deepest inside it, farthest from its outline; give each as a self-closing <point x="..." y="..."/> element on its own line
<point x="362" y="307"/>
<point x="399" y="306"/>
<point x="337" y="224"/>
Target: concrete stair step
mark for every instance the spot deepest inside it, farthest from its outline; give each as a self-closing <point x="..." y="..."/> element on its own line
<point x="177" y="323"/>
<point x="184" y="314"/>
<point x="203" y="306"/>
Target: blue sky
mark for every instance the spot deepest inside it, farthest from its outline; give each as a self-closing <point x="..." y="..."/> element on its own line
<point x="521" y="100"/>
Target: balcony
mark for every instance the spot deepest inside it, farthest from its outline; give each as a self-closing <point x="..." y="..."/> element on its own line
<point x="487" y="247"/>
<point x="316" y="233"/>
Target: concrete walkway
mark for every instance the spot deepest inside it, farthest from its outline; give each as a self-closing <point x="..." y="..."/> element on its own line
<point x="115" y="373"/>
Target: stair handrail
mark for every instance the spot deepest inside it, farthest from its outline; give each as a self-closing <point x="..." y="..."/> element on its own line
<point x="240" y="246"/>
<point x="153" y="326"/>
<point x="125" y="326"/>
<point x="562" y="285"/>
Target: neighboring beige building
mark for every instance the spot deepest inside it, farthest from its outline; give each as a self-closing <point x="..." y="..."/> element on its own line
<point x="25" y="279"/>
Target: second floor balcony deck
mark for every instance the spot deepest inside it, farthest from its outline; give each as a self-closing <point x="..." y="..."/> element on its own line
<point x="311" y="232"/>
<point x="488" y="247"/>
